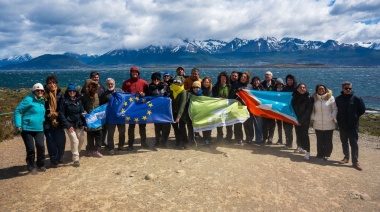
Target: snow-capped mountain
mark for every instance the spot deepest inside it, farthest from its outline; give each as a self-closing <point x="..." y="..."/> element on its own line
<point x="85" y="58"/>
<point x="15" y="59"/>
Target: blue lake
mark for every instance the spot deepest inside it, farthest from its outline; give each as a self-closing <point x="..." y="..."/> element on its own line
<point x="365" y="81"/>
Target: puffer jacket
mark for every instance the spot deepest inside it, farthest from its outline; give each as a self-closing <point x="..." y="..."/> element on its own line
<point x="324" y="111"/>
<point x="71" y="113"/>
<point x="303" y="107"/>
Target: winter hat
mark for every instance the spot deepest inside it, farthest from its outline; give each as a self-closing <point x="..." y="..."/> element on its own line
<point x="279" y="81"/>
<point x="196" y="84"/>
<point x="156" y="76"/>
<point x="177" y="79"/>
<point x="166" y="74"/>
<point x="38" y="86"/>
<point x="71" y="87"/>
<point x="134" y="68"/>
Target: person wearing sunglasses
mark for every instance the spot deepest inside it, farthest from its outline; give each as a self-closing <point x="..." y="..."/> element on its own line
<point x="350" y="108"/>
<point x="29" y="117"/>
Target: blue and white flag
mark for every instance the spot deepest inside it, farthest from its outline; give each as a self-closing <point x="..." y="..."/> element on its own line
<point x="125" y="108"/>
<point x="97" y="117"/>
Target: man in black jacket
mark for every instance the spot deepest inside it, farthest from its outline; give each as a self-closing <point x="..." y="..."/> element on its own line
<point x="350" y="108"/>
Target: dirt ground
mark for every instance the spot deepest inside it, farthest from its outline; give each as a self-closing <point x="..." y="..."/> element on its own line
<point x="223" y="177"/>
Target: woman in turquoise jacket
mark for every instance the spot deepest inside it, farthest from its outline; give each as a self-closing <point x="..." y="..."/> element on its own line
<point x="29" y="119"/>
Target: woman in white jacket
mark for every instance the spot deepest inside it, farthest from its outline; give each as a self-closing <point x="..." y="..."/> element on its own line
<point x="324" y="119"/>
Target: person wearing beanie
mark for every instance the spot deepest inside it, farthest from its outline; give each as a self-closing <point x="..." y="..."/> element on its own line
<point x="135" y="85"/>
<point x="109" y="129"/>
<point x="29" y="116"/>
<point x="159" y="89"/>
<point x="179" y="98"/>
<point x="73" y="121"/>
<point x="53" y="129"/>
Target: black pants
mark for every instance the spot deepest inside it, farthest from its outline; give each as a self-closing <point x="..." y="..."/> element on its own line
<point x="269" y="126"/>
<point x="206" y="135"/>
<point x="279" y="130"/>
<point x="351" y="136"/>
<point x="288" y="128"/>
<point x="111" y="131"/>
<point x="228" y="134"/>
<point x="180" y="132"/>
<point x="238" y="132"/>
<point x="324" y="142"/>
<point x="55" y="142"/>
<point x="34" y="140"/>
<point x="94" y="140"/>
<point x="190" y="132"/>
<point x="131" y="134"/>
<point x="302" y="133"/>
<point x="248" y="129"/>
<point x="161" y="132"/>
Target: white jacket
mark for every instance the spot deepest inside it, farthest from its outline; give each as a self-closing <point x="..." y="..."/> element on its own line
<point x="324" y="111"/>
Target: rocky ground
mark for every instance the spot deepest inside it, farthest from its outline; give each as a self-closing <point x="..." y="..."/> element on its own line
<point x="223" y="177"/>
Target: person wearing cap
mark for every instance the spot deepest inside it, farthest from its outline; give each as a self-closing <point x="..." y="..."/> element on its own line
<point x="279" y="87"/>
<point x="179" y="98"/>
<point x="109" y="129"/>
<point x="135" y="85"/>
<point x="53" y="129"/>
<point x="159" y="88"/>
<point x="71" y="110"/>
<point x="269" y="125"/>
<point x="188" y="82"/>
<point x="180" y="71"/>
<point x="90" y="101"/>
<point x="167" y="79"/>
<point x="29" y="117"/>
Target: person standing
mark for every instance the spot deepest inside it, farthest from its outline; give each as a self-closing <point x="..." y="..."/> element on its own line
<point x="248" y="124"/>
<point x="109" y="129"/>
<point x="269" y="125"/>
<point x="303" y="107"/>
<point x="279" y="87"/>
<point x="138" y="86"/>
<point x="190" y="80"/>
<point x="290" y="86"/>
<point x="221" y="90"/>
<point x="160" y="89"/>
<point x="53" y="129"/>
<point x="350" y="108"/>
<point x="71" y="110"/>
<point x="257" y="120"/>
<point x="95" y="76"/>
<point x="29" y="117"/>
<point x="323" y="118"/>
<point x="206" y="91"/>
<point x="238" y="127"/>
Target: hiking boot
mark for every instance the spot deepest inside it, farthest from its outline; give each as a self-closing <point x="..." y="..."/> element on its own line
<point x="41" y="169"/>
<point x="97" y="154"/>
<point x="33" y="171"/>
<point x="76" y="164"/>
<point x="357" y="166"/>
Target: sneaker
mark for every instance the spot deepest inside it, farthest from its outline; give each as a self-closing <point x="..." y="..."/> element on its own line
<point x="41" y="169"/>
<point x="297" y="150"/>
<point x="240" y="142"/>
<point x="97" y="154"/>
<point x="307" y="156"/>
<point x="302" y="151"/>
<point x="33" y="171"/>
<point x="76" y="164"/>
<point x="111" y="152"/>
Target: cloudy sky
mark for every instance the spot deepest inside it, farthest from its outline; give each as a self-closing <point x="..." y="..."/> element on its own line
<point x="97" y="26"/>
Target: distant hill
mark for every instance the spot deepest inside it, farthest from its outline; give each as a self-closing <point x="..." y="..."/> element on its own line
<point x="48" y="61"/>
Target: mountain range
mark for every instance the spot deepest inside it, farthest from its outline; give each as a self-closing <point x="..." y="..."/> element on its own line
<point x="238" y="52"/>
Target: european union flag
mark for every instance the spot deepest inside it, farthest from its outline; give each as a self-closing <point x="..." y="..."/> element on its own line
<point x="126" y="108"/>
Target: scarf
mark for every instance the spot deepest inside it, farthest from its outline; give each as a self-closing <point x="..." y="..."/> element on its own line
<point x="176" y="89"/>
<point x="53" y="115"/>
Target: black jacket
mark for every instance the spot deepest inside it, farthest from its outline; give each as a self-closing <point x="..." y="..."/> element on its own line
<point x="158" y="90"/>
<point x="71" y="113"/>
<point x="350" y="108"/>
<point x="303" y="107"/>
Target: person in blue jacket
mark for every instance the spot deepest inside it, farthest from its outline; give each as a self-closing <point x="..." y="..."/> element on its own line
<point x="29" y="117"/>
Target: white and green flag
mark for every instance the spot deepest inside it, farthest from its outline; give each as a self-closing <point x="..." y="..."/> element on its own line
<point x="208" y="113"/>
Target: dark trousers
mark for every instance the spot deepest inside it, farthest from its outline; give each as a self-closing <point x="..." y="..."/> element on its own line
<point x="269" y="126"/>
<point x="190" y="132"/>
<point x="238" y="132"/>
<point x="248" y="129"/>
<point x="32" y="141"/>
<point x="94" y="140"/>
<point x="302" y="133"/>
<point x="279" y="130"/>
<point x="229" y="133"/>
<point x="288" y="128"/>
<point x="206" y="135"/>
<point x="131" y="134"/>
<point x="55" y="142"/>
<point x="180" y="132"/>
<point x="161" y="132"/>
<point x="111" y="131"/>
<point x="258" y="123"/>
<point x="351" y="136"/>
<point x="324" y="142"/>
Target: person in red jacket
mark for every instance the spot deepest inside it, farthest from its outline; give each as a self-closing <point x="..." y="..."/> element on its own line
<point x="135" y="85"/>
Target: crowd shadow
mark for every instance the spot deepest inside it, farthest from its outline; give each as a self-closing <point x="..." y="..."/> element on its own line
<point x="13" y="172"/>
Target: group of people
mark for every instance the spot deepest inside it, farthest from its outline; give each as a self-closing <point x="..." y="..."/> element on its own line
<point x="50" y="112"/>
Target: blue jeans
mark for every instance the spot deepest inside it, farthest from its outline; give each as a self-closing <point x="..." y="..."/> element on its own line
<point x="258" y="122"/>
<point x="56" y="142"/>
<point x="33" y="140"/>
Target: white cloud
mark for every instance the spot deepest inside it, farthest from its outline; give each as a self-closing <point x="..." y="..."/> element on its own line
<point x="95" y="27"/>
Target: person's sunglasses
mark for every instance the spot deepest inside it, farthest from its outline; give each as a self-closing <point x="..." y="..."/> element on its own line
<point x="40" y="91"/>
<point x="347" y="89"/>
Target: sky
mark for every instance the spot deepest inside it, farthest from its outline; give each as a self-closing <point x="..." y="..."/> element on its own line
<point x="42" y="27"/>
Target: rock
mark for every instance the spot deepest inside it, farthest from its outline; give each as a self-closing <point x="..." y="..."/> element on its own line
<point x="365" y="197"/>
<point x="180" y="171"/>
<point x="226" y="155"/>
<point x="150" y="177"/>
